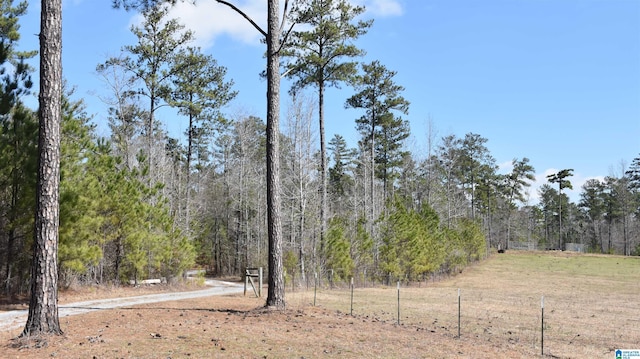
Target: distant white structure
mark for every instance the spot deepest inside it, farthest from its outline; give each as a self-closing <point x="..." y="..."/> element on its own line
<point x="575" y="247"/>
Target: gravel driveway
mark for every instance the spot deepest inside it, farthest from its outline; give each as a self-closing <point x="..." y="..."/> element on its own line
<point x="17" y="318"/>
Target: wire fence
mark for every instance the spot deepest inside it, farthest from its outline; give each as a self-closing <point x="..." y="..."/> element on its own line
<point x="561" y="325"/>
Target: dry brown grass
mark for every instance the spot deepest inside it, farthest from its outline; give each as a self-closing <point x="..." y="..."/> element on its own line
<point x="591" y="308"/>
<point x="592" y="303"/>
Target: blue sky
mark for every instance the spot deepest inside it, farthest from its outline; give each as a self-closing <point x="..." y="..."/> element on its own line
<point x="557" y="81"/>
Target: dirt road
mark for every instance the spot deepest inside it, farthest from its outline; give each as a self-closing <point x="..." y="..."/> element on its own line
<point x="16" y="318"/>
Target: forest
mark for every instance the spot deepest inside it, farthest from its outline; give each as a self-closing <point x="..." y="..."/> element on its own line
<point x="140" y="204"/>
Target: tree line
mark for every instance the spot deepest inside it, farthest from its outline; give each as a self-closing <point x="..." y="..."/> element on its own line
<point x="142" y="204"/>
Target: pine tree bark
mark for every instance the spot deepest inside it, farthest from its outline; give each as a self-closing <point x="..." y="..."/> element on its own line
<point x="323" y="170"/>
<point x="275" y="296"/>
<point x="43" y="306"/>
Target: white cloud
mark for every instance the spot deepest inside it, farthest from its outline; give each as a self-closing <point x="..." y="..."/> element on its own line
<point x="380" y="8"/>
<point x="209" y="19"/>
<point x="540" y="179"/>
<point x="505" y="167"/>
<point x="384" y="7"/>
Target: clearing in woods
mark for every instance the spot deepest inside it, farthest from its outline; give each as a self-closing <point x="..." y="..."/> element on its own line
<point x="591" y="308"/>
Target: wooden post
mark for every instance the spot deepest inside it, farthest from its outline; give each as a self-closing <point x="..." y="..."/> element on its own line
<point x="260" y="282"/>
<point x="542" y="328"/>
<point x="246" y="281"/>
<point x="351" y="296"/>
<point x="398" y="302"/>
<point x="250" y="273"/>
<point x="458" y="312"/>
<point x="315" y="287"/>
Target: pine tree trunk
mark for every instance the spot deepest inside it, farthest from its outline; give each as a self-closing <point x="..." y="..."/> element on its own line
<point x="560" y="243"/>
<point x="275" y="296"/>
<point x="187" y="205"/>
<point x="323" y="173"/>
<point x="43" y="306"/>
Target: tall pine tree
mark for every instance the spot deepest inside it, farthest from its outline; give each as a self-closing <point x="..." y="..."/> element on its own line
<point x="379" y="96"/>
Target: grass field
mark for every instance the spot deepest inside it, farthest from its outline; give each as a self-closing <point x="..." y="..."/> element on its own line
<point x="592" y="307"/>
<point x="591" y="303"/>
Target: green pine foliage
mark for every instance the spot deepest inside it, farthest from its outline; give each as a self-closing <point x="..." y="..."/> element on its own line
<point x="290" y="262"/>
<point x="390" y="136"/>
<point x="362" y="249"/>
<point x="340" y="182"/>
<point x="416" y="245"/>
<point x="78" y="220"/>
<point x="338" y="250"/>
<point x="412" y="242"/>
<point x="463" y="245"/>
<point x="473" y="239"/>
<point x="109" y="230"/>
<point x="18" y="153"/>
<point x="18" y="161"/>
<point x="147" y="205"/>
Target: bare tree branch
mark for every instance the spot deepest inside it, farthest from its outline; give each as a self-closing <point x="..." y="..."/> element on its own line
<point x="284" y="16"/>
<point x="236" y="9"/>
